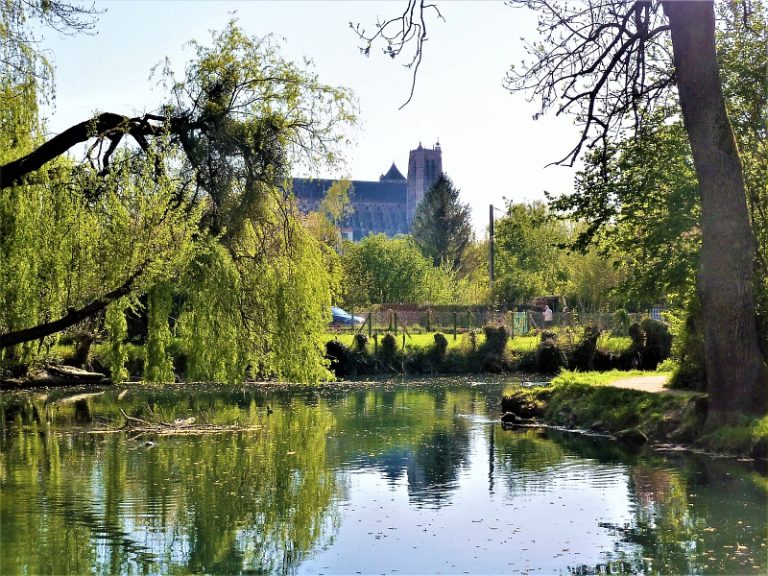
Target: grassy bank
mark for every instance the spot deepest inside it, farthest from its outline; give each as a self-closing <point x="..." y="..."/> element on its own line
<point x="587" y="401"/>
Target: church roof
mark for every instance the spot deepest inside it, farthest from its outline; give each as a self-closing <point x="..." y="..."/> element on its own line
<point x="362" y="191"/>
<point x="393" y="174"/>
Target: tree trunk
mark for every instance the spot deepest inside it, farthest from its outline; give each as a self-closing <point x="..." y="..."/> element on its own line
<point x="737" y="377"/>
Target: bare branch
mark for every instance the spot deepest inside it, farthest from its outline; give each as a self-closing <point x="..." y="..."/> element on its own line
<point x="105" y="125"/>
<point x="605" y="61"/>
<point x="399" y="32"/>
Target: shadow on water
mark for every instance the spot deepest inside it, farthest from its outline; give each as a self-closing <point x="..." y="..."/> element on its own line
<point x="353" y="478"/>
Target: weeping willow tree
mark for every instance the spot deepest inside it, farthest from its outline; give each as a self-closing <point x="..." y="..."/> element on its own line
<point x="189" y="201"/>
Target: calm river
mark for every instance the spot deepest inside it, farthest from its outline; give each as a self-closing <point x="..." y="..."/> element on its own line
<point x="382" y="478"/>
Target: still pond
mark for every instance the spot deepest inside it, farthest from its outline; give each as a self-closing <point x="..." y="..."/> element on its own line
<point x="377" y="478"/>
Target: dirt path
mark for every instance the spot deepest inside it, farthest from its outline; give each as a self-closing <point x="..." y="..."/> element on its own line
<point x="643" y="383"/>
<point x="653" y="384"/>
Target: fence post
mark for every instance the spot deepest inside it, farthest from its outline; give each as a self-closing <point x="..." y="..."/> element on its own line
<point x="454" y="324"/>
<point x="395" y="323"/>
<point x="370" y="327"/>
<point x="429" y="321"/>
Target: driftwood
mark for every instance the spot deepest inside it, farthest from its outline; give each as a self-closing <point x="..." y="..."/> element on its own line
<point x="179" y="427"/>
<point x="55" y="375"/>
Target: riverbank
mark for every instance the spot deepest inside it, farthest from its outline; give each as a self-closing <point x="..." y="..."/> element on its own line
<point x="589" y="401"/>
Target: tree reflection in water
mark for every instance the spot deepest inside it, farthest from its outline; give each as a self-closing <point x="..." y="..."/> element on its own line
<point x="279" y="499"/>
<point x="221" y="503"/>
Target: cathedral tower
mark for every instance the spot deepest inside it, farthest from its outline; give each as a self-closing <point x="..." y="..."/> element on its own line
<point x="424" y="167"/>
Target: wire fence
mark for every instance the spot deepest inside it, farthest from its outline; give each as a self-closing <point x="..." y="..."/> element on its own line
<point x="457" y="320"/>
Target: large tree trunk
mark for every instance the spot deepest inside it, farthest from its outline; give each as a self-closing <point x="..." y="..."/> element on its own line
<point x="737" y="378"/>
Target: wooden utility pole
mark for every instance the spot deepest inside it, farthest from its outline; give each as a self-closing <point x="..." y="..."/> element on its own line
<point x="490" y="248"/>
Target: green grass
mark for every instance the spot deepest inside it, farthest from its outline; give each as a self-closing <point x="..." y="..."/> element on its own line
<point x="414" y="341"/>
<point x="733" y="439"/>
<point x="597" y="378"/>
<point x="517" y="344"/>
<point x="523" y="343"/>
<point x="582" y="399"/>
<point x="615" y="344"/>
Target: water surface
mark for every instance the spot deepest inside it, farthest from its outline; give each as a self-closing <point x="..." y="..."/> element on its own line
<point x="383" y="478"/>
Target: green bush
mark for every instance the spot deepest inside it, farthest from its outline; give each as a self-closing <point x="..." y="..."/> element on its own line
<point x="496" y="338"/>
<point x="550" y="358"/>
<point x="360" y="342"/>
<point x="583" y="356"/>
<point x="688" y="350"/>
<point x="635" y="332"/>
<point x="388" y="346"/>
<point x="548" y="335"/>
<point x="441" y="345"/>
<point x="339" y="357"/>
<point x="658" y="343"/>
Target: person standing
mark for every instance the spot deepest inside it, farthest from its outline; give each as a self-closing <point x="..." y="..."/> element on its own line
<point x="547" y="315"/>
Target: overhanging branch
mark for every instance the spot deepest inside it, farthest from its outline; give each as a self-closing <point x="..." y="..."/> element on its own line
<point x="72" y="317"/>
<point x="105" y="125"/>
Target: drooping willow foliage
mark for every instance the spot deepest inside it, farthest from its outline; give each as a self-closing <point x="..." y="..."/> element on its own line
<point x="117" y="330"/>
<point x="211" y="326"/>
<point x="158" y="363"/>
<point x="247" y="311"/>
<point x="192" y="213"/>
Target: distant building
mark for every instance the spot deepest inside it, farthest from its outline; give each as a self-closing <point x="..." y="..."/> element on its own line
<point x="386" y="205"/>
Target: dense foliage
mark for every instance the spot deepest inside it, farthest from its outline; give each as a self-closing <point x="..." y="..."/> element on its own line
<point x="533" y="258"/>
<point x="192" y="210"/>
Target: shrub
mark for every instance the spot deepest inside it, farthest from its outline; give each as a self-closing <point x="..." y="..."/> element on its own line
<point x="688" y="350"/>
<point x="496" y="338"/>
<point x="631" y="357"/>
<point x="548" y="335"/>
<point x="470" y="340"/>
<point x="339" y="357"/>
<point x="441" y="345"/>
<point x="658" y="343"/>
<point x="585" y="350"/>
<point x="360" y="342"/>
<point x="637" y="335"/>
<point x="550" y="357"/>
<point x="388" y="346"/>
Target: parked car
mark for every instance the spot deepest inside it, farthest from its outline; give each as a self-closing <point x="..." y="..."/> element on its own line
<point x="341" y="316"/>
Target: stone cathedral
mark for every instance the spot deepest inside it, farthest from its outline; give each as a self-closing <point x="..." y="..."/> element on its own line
<point x="386" y="205"/>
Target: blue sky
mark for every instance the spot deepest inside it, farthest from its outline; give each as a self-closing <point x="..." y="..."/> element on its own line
<point x="491" y="146"/>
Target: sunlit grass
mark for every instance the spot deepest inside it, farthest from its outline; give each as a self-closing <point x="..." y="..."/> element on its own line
<point x="517" y="344"/>
<point x="733" y="438"/>
<point x="597" y="378"/>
